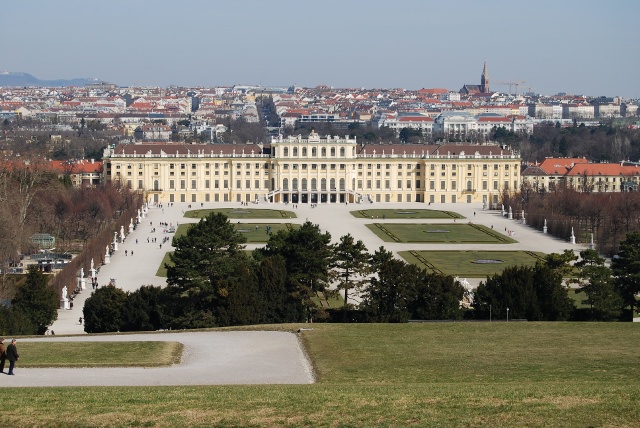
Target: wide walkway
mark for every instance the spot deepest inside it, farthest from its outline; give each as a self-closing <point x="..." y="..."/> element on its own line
<point x="208" y="358"/>
<point x="134" y="264"/>
<point x="145" y="249"/>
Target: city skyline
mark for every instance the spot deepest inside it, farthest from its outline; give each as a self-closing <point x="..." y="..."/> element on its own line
<point x="577" y="47"/>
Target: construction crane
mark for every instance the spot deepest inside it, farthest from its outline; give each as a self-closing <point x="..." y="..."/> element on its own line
<point x="511" y="85"/>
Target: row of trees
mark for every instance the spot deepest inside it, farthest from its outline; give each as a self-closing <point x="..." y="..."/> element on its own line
<point x="609" y="216"/>
<point x="34" y="199"/>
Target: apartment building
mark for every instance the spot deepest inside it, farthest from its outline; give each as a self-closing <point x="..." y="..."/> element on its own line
<point x="581" y="175"/>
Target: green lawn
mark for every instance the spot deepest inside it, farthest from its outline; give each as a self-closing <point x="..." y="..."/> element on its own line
<point x="446" y="233"/>
<point x="405" y="213"/>
<point x="392" y="375"/>
<point x="242" y="213"/>
<point x="471" y="264"/>
<point x="99" y="354"/>
<point x="254" y="232"/>
<point x="257" y="232"/>
<point x="162" y="271"/>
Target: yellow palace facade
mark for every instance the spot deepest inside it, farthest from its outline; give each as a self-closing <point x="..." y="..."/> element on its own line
<point x="314" y="170"/>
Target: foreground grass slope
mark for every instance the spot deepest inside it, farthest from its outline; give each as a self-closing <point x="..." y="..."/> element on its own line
<point x="432" y="374"/>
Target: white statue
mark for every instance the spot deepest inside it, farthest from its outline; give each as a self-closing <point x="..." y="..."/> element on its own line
<point x="64" y="293"/>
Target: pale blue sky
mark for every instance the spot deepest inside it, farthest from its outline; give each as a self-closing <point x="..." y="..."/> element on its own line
<point x="575" y="46"/>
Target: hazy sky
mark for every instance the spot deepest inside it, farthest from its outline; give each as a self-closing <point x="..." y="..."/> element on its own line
<point x="575" y="46"/>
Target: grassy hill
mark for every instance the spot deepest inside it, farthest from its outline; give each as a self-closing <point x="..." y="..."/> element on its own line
<point x="428" y="374"/>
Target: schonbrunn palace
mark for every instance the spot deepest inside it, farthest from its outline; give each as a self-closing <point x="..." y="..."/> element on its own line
<point x="315" y="170"/>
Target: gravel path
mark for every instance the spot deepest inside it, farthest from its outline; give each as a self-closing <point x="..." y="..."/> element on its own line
<point x="209" y="358"/>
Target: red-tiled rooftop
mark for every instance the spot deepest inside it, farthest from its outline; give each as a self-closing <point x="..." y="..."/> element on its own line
<point x="559" y="166"/>
<point x="604" y="169"/>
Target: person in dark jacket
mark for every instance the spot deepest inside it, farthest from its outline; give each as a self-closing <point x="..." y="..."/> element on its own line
<point x="3" y="355"/>
<point x="12" y="355"/>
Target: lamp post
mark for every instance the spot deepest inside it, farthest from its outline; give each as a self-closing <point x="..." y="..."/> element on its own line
<point x="490" y="313"/>
<point x="507" y="314"/>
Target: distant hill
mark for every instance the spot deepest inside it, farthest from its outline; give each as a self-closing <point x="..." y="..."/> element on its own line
<point x="12" y="78"/>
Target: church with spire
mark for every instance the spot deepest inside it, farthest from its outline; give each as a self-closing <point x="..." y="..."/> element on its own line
<point x="482" y="88"/>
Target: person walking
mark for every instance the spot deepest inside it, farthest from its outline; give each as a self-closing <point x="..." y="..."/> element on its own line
<point x="3" y="355"/>
<point x="12" y="356"/>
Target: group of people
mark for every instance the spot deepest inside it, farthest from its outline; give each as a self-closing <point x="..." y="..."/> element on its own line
<point x="9" y="353"/>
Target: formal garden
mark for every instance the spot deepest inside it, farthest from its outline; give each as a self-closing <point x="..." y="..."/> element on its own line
<point x="471" y="263"/>
<point x="253" y="232"/>
<point x="445" y="233"/>
<point x="406" y="213"/>
<point x="242" y="213"/>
